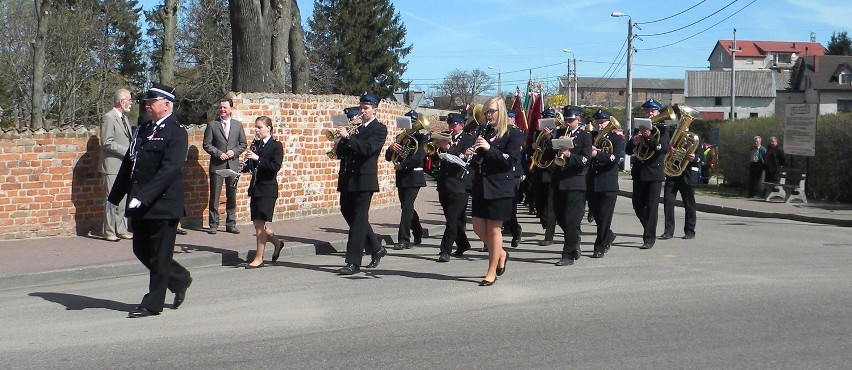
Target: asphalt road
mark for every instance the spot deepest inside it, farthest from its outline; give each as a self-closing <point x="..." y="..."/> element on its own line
<point x="747" y="293"/>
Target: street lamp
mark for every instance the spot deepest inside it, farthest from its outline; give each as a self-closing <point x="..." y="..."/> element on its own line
<point x="499" y="82"/>
<point x="574" y="57"/>
<point x="629" y="115"/>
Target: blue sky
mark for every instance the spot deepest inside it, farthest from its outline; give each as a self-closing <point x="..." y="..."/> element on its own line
<point x="516" y="36"/>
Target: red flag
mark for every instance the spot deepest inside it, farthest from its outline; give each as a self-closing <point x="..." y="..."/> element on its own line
<point x="534" y="116"/>
<point x="520" y="116"/>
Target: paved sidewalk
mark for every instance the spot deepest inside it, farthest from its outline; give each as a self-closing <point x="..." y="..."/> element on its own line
<point x="66" y="259"/>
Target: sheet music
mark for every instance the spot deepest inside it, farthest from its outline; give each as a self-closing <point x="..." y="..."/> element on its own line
<point x="339" y="120"/>
<point x="560" y="144"/>
<point x="452" y="158"/>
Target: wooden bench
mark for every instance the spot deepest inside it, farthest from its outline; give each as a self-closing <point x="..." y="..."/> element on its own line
<point x="791" y="187"/>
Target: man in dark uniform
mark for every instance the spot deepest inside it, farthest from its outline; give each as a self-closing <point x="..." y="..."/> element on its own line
<point x="454" y="184"/>
<point x="409" y="180"/>
<point x="648" y="174"/>
<point x="604" y="171"/>
<point x="569" y="184"/>
<point x="514" y="226"/>
<point x="684" y="184"/>
<point x="357" y="181"/>
<point x="150" y="176"/>
<point x="542" y="183"/>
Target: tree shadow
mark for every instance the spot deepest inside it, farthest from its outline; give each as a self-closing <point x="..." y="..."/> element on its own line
<point x="74" y="302"/>
<point x="86" y="191"/>
<point x="196" y="181"/>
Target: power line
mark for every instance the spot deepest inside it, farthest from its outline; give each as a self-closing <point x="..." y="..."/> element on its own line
<point x="700" y="32"/>
<point x="691" y="24"/>
<point x="671" y="16"/>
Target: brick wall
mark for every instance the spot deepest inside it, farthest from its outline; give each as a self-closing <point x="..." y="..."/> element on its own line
<point x="49" y="183"/>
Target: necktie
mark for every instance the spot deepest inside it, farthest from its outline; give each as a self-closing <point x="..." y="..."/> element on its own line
<point x="227" y="127"/>
<point x="126" y="126"/>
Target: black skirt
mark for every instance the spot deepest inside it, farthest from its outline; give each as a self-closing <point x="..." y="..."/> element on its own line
<point x="499" y="209"/>
<point x="262" y="208"/>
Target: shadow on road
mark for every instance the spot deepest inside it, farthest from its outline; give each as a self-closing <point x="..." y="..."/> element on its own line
<point x="75" y="302"/>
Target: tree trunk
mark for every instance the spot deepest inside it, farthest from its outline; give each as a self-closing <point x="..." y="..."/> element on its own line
<point x="43" y="10"/>
<point x="300" y="68"/>
<point x="260" y="30"/>
<point x="167" y="65"/>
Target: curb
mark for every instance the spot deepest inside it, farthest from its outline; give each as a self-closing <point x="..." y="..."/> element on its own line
<point x="188" y="260"/>
<point x="711" y="208"/>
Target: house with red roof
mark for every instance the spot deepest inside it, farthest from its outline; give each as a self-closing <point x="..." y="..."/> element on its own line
<point x="780" y="55"/>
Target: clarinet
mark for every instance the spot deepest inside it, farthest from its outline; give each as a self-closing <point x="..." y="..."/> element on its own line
<point x="251" y="164"/>
<point x="486" y="131"/>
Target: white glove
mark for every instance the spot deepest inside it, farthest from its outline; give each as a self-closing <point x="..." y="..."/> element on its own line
<point x="135" y="203"/>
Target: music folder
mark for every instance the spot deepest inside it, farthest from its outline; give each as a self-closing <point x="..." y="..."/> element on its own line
<point x="643" y="122"/>
<point x="547" y="122"/>
<point x="560" y="144"/>
<point x="339" y="120"/>
<point x="227" y="172"/>
<point x="403" y="122"/>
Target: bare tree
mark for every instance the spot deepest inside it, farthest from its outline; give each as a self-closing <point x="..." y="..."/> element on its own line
<point x="261" y="40"/>
<point x="43" y="10"/>
<point x="168" y="14"/>
<point x="459" y="88"/>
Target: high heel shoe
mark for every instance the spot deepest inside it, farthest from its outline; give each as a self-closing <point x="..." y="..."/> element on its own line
<point x="277" y="252"/>
<point x="501" y="270"/>
<point x="487" y="283"/>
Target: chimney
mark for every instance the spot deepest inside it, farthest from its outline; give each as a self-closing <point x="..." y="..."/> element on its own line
<point x="794" y="45"/>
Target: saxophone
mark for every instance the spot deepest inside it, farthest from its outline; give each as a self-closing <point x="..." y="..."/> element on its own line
<point x="683" y="142"/>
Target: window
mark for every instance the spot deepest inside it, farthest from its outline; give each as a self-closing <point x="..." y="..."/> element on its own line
<point x="749" y="61"/>
<point x="717" y="101"/>
<point x="783" y="58"/>
<point x="844" y="105"/>
<point x="845" y="78"/>
<point x="752" y="115"/>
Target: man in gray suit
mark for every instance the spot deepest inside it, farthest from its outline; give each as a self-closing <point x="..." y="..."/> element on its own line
<point x="115" y="139"/>
<point x="224" y="140"/>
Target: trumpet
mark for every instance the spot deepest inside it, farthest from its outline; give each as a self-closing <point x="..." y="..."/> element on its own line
<point x="331" y="134"/>
<point x="602" y="142"/>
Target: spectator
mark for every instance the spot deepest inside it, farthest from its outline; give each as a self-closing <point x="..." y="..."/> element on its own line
<point x="755" y="169"/>
<point x="115" y="139"/>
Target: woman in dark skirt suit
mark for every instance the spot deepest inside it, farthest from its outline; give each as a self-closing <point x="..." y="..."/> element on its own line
<point x="493" y="158"/>
<point x="263" y="160"/>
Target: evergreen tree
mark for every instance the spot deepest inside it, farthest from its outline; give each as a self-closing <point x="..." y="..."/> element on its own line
<point x="360" y="44"/>
<point x="840" y="44"/>
<point x="127" y="38"/>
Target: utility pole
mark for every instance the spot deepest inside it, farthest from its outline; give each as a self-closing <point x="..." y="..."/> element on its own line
<point x="576" y="82"/>
<point x="568" y="80"/>
<point x="629" y="117"/>
<point x="733" y="76"/>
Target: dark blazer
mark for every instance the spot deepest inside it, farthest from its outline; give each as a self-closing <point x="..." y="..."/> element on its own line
<point x="572" y="176"/>
<point x="156" y="180"/>
<point x="774" y="159"/>
<point x="652" y="168"/>
<point x="495" y="168"/>
<point x="359" y="155"/>
<point x="452" y="177"/>
<point x="215" y="143"/>
<point x="410" y="175"/>
<point x="604" y="168"/>
<point x="264" y="171"/>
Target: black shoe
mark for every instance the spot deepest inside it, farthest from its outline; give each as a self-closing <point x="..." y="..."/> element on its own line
<point x="647" y="246"/>
<point x="349" y="269"/>
<point x="565" y="262"/>
<point x="545" y="242"/>
<point x="278" y="249"/>
<point x="418" y="238"/>
<point x="232" y="230"/>
<point x="180" y="231"/>
<point x="487" y="283"/>
<point x="459" y="253"/>
<point x="444" y="257"/>
<point x="212" y="231"/>
<point x="180" y="295"/>
<point x="399" y="246"/>
<point x="689" y="236"/>
<point x="377" y="257"/>
<point x="141" y="312"/>
<point x="598" y="254"/>
<point x="665" y="236"/>
<point x="501" y="270"/>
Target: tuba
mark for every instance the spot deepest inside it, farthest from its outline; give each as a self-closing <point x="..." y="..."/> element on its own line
<point x="409" y="144"/>
<point x="544" y="143"/>
<point x="683" y="142"/>
<point x="643" y="152"/>
<point x="602" y="142"/>
<point x="475" y="118"/>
